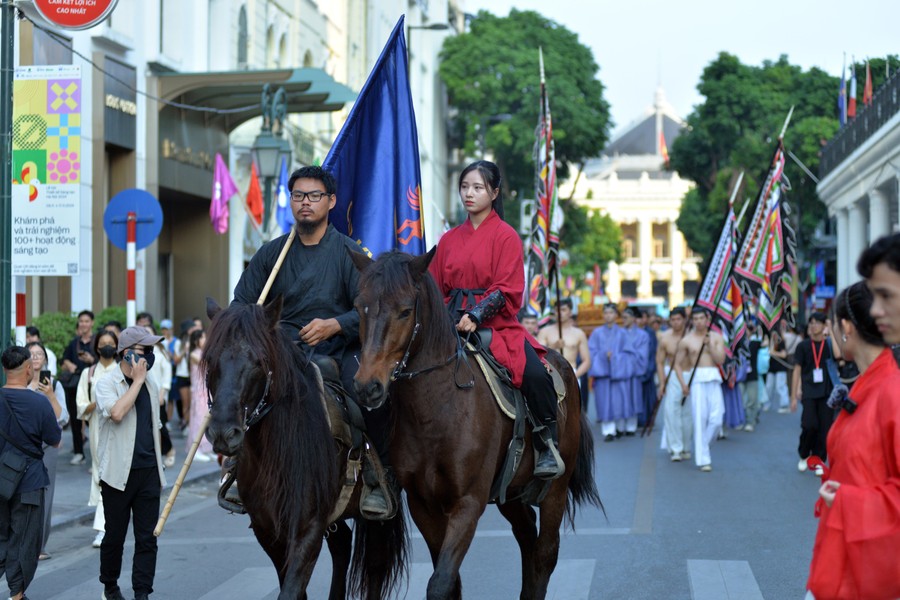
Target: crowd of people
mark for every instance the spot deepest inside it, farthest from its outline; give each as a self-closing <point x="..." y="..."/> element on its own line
<point x="841" y="372"/>
<point x="120" y="446"/>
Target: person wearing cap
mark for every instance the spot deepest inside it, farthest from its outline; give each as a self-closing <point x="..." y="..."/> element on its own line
<point x="811" y="386"/>
<point x="131" y="466"/>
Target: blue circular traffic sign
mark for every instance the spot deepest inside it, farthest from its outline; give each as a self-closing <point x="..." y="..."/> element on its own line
<point x="149" y="218"/>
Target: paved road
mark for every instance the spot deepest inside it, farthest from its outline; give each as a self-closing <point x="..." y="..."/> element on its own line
<point x="743" y="532"/>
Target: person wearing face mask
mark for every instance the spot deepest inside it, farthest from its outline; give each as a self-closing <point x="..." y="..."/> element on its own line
<point x="105" y="344"/>
<point x="131" y="464"/>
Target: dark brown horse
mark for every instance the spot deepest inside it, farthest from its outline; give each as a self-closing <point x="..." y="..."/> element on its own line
<point x="449" y="442"/>
<point x="267" y="409"/>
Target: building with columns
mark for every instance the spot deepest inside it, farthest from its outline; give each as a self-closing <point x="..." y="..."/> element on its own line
<point x="859" y="174"/>
<point x="629" y="181"/>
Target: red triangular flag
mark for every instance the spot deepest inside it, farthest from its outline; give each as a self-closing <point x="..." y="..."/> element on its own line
<point x="254" y="197"/>
<point x="867" y="91"/>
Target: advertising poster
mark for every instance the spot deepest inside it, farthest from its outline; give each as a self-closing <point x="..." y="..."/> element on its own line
<point x="46" y="148"/>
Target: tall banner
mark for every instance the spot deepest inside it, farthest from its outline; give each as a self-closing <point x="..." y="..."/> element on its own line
<point x="46" y="158"/>
<point x="766" y="263"/>
<point x="543" y="255"/>
<point x="375" y="160"/>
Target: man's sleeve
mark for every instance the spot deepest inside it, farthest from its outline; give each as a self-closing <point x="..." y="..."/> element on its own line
<point x="51" y="432"/>
<point x="349" y="321"/>
<point x="253" y="279"/>
<point x="69" y="352"/>
<point x="106" y="395"/>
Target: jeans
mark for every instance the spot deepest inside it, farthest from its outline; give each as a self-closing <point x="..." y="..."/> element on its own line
<point x="777" y="389"/>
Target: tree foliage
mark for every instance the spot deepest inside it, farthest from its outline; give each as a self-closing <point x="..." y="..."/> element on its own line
<point x="735" y="129"/>
<point x="600" y="241"/>
<point x="493" y="83"/>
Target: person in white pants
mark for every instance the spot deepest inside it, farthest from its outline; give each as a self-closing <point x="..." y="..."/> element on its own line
<point x="704" y="350"/>
<point x="677" y="424"/>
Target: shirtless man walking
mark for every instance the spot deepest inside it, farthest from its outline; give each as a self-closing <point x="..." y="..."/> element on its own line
<point x="706" y="349"/>
<point x="676" y="416"/>
<point x="573" y="345"/>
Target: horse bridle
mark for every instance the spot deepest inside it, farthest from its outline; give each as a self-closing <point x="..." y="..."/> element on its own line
<point x="399" y="368"/>
<point x="262" y="406"/>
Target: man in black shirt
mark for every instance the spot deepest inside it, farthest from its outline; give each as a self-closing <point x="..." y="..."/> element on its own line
<point x="130" y="458"/>
<point x="812" y="386"/>
<point x="32" y="424"/>
<point x="319" y="283"/>
<point x="78" y="356"/>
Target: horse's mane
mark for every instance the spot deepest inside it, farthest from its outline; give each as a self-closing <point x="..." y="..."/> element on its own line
<point x="390" y="274"/>
<point x="296" y="469"/>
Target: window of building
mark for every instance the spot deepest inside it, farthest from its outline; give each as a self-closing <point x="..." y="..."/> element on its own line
<point x="242" y="42"/>
<point x="282" y="52"/>
<point x="629" y="248"/>
<point x="659" y="247"/>
<point x="629" y="289"/>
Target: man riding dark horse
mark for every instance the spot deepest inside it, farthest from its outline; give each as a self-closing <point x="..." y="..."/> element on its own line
<point x="318" y="283"/>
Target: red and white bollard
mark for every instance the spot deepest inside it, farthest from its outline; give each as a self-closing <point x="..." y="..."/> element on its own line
<point x="20" y="311"/>
<point x="131" y="265"/>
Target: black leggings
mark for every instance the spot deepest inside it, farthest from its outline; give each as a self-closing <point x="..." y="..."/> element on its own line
<point x="537" y="386"/>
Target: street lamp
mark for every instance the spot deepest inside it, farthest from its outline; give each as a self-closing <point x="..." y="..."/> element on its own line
<point x="270" y="148"/>
<point x="409" y="28"/>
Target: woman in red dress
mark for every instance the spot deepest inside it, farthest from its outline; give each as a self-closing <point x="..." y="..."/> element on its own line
<point x="857" y="548"/>
<point x="480" y="271"/>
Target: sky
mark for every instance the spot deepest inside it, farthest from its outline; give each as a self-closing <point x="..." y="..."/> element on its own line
<point x="641" y="44"/>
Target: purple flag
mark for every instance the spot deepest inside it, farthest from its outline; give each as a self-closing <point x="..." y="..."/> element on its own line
<point x="222" y="191"/>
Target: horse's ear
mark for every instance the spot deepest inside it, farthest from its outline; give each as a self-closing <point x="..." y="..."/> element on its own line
<point x="360" y="259"/>
<point x="273" y="309"/>
<point x="212" y="309"/>
<point x="419" y="264"/>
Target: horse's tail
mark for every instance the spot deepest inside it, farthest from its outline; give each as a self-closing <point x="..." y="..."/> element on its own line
<point x="380" y="556"/>
<point x="582" y="487"/>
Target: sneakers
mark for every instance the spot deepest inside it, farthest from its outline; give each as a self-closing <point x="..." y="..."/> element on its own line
<point x="113" y="594"/>
<point x="77" y="459"/>
<point x="748" y="428"/>
<point x="98" y="540"/>
<point x="199" y="457"/>
<point x="802" y="466"/>
<point x="685" y="456"/>
<point x="706" y="468"/>
<point x="676" y="458"/>
<point x="784" y="410"/>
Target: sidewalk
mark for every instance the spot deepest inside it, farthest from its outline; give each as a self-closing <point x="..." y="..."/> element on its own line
<point x="73" y="482"/>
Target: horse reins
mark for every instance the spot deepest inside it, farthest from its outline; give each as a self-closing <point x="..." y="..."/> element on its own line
<point x="400" y="373"/>
<point x="262" y="407"/>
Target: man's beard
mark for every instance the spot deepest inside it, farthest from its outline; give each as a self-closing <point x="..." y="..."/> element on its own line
<point x="309" y="227"/>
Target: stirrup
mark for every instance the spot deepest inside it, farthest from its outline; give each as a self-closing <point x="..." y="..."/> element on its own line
<point x="379" y="502"/>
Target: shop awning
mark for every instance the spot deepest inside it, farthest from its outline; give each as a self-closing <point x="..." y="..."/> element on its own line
<point x="308" y="90"/>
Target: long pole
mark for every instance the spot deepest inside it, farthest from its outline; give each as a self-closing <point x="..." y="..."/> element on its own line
<point x="202" y="431"/>
<point x="7" y="39"/>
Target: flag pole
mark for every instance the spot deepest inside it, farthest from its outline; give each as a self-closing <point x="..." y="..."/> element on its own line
<point x="549" y="193"/>
<point x="786" y="121"/>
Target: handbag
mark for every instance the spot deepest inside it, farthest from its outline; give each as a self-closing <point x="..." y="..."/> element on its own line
<point x="12" y="462"/>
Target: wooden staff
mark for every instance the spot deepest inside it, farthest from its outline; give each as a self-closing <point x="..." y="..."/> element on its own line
<point x="202" y="431"/>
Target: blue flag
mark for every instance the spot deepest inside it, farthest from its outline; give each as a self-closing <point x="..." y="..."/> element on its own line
<point x="284" y="216"/>
<point x="375" y="160"/>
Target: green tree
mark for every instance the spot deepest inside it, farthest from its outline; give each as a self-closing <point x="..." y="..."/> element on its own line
<point x="735" y="129"/>
<point x="600" y="242"/>
<point x="493" y="82"/>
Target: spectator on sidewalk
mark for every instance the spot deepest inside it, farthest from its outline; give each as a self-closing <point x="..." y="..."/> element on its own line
<point x="78" y="356"/>
<point x="779" y="366"/>
<point x="199" y="399"/>
<point x="750" y="386"/>
<point x="105" y="346"/>
<point x="33" y="334"/>
<point x="131" y="467"/>
<point x="54" y="393"/>
<point x="31" y="422"/>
